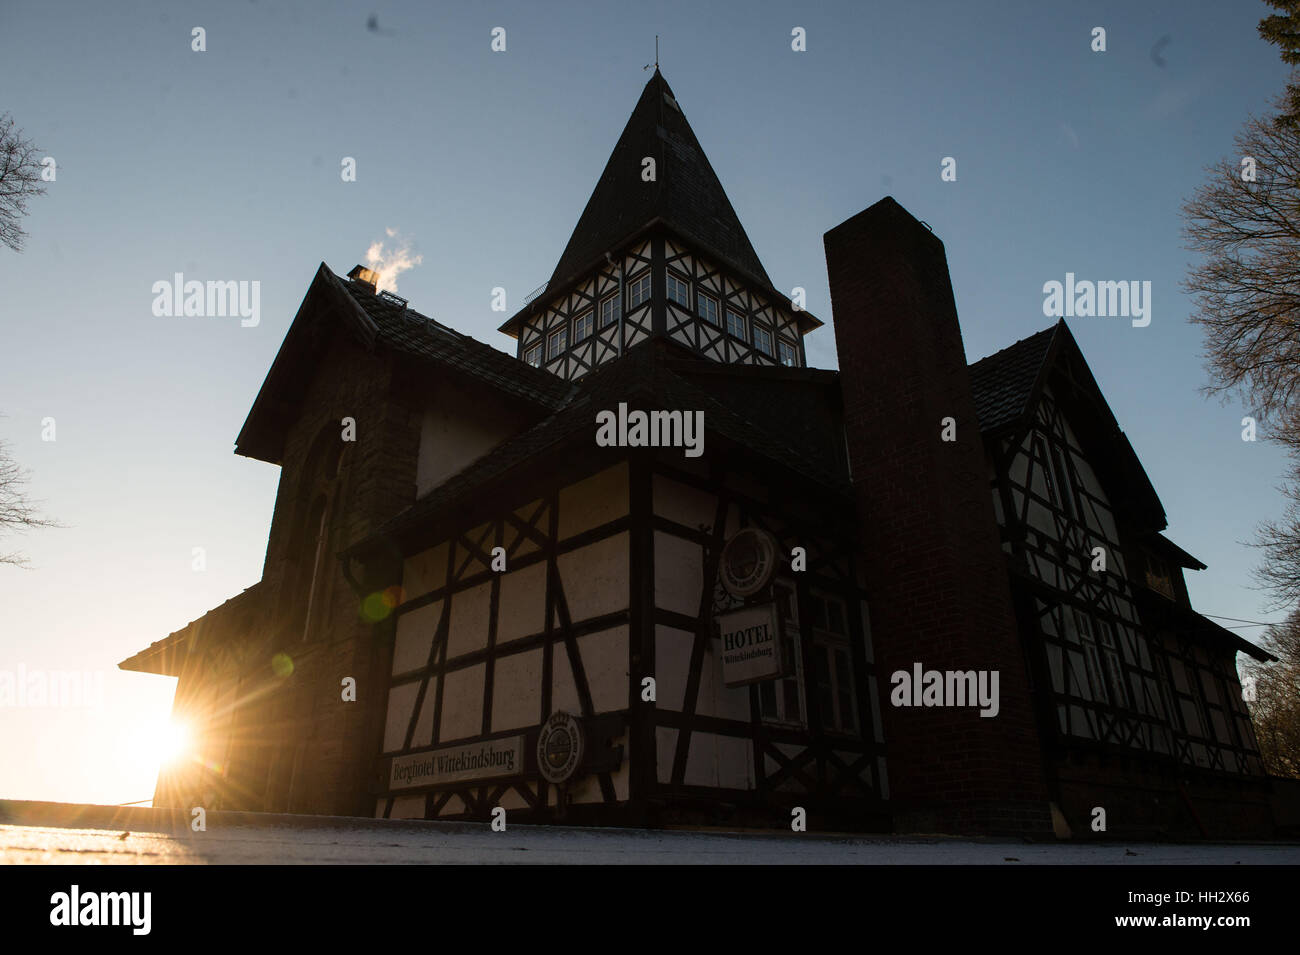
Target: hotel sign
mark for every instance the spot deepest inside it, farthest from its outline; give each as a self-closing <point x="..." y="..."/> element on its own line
<point x="453" y="764"/>
<point x="751" y="645"/>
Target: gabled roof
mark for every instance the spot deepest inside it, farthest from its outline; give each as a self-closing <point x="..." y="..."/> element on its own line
<point x="1003" y="383"/>
<point x="1007" y="385"/>
<point x="653" y="375"/>
<point x="377" y="321"/>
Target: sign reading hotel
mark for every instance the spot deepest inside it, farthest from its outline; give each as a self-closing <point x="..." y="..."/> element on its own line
<point x="453" y="764"/>
<point x="751" y="648"/>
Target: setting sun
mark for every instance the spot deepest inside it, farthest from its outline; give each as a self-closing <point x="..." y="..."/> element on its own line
<point x="171" y="742"/>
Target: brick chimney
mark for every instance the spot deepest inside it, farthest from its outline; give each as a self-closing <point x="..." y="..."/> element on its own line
<point x="365" y="277"/>
<point x="937" y="580"/>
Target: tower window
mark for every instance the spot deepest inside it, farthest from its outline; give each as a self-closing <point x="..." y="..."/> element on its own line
<point x="582" y="326"/>
<point x="608" y="311"/>
<point x="763" y="340"/>
<point x="788" y="354"/>
<point x="638" y="291"/>
<point x="736" y="324"/>
<point x="709" y="309"/>
<point x="557" y="343"/>
<point x="533" y="355"/>
<point x="678" y="291"/>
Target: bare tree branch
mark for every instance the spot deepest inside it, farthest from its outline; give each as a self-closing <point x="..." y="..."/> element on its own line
<point x="20" y="179"/>
<point x="18" y="513"/>
<point x="1247" y="295"/>
<point x="1275" y="711"/>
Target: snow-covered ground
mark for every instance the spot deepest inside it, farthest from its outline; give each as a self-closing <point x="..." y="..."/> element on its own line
<point x="241" y="838"/>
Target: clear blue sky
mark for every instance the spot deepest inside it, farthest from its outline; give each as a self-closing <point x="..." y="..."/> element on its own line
<point x="225" y="165"/>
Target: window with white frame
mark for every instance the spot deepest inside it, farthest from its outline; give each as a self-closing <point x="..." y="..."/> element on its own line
<point x="781" y="700"/>
<point x="609" y="310"/>
<point x="679" y="291"/>
<point x="709" y="309"/>
<point x="557" y="343"/>
<point x="787" y="353"/>
<point x="837" y="700"/>
<point x="582" y="326"/>
<point x="638" y="291"/>
<point x="736" y="325"/>
<point x="763" y="340"/>
<point x="533" y="355"/>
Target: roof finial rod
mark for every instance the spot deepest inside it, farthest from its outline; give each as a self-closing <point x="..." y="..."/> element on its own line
<point x="656" y="63"/>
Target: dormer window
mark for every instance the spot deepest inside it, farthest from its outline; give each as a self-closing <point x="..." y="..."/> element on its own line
<point x="533" y="355"/>
<point x="557" y="343"/>
<point x="679" y="291"/>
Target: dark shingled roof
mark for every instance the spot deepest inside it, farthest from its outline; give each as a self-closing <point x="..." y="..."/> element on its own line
<point x="1003" y="382"/>
<point x="686" y="193"/>
<point x="168" y="655"/>
<point x="384" y="321"/>
<point x="405" y="330"/>
<point x="647" y="378"/>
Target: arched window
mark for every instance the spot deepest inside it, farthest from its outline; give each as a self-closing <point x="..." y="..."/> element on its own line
<point x="317" y="500"/>
<point x="316" y="522"/>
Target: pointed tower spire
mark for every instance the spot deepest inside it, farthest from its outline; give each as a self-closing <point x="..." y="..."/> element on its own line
<point x="685" y="192"/>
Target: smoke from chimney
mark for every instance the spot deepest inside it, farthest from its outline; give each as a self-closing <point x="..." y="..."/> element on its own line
<point x="389" y="263"/>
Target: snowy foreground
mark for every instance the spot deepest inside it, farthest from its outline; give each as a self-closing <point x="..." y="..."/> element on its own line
<point x="244" y="838"/>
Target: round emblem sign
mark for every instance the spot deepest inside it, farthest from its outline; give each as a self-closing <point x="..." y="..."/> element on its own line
<point x="748" y="562"/>
<point x="559" y="747"/>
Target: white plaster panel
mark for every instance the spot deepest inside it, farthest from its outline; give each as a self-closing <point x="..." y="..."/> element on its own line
<point x="605" y="661"/>
<point x="455" y="432"/>
<point x="679" y="574"/>
<point x="672" y="667"/>
<point x="521" y="609"/>
<point x="462" y="705"/>
<point x="564" y="692"/>
<point x="596" y="500"/>
<point x="424" y="571"/>
<point x="468" y="628"/>
<point x="401" y="700"/>
<point x="517" y="690"/>
<point x="595" y="577"/>
<point x="415" y="632"/>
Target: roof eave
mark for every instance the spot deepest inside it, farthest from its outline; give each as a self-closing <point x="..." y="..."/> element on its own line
<point x="807" y="320"/>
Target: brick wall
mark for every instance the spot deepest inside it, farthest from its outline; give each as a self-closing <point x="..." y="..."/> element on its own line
<point x="299" y="746"/>
<point x="936" y="577"/>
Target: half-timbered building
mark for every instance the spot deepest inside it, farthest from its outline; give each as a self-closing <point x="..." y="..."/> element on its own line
<point x="473" y="601"/>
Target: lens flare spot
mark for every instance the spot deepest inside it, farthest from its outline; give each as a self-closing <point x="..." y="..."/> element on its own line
<point x="376" y="607"/>
<point x="281" y="664"/>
